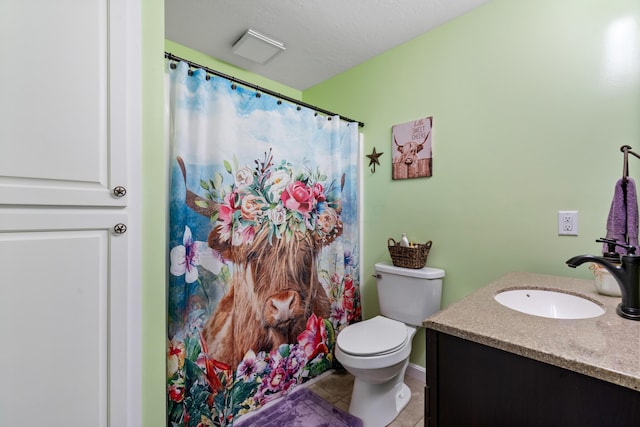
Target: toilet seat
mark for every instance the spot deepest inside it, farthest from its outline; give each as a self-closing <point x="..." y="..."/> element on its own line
<point x="374" y="337"/>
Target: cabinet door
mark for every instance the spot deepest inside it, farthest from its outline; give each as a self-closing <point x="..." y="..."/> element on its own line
<point x="63" y="319"/>
<point x="63" y="107"/>
<point x="472" y="384"/>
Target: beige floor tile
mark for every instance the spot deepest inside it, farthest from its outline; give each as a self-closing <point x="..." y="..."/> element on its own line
<point x="336" y="389"/>
<point x="414" y="411"/>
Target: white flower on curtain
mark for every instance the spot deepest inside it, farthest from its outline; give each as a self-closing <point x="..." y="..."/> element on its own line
<point x="186" y="258"/>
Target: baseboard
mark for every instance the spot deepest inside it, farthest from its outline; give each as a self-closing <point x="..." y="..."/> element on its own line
<point x="417" y="372"/>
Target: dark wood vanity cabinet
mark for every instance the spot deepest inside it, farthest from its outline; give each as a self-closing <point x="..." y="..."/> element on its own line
<point x="470" y="384"/>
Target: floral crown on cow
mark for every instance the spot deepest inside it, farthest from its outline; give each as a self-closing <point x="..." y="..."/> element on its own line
<point x="274" y="199"/>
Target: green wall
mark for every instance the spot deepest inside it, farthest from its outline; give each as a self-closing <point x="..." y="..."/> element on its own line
<point x="530" y="108"/>
<point x="529" y="114"/>
<point x="154" y="207"/>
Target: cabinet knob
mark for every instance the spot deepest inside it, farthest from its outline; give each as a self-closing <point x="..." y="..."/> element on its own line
<point x="120" y="228"/>
<point x="119" y="191"/>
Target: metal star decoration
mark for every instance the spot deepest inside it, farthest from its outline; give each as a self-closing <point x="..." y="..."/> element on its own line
<point x="373" y="159"/>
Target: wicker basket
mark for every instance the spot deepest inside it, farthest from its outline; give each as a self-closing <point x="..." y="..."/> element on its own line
<point x="408" y="257"/>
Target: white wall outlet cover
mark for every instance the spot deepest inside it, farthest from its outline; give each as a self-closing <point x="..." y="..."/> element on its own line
<point x="568" y="223"/>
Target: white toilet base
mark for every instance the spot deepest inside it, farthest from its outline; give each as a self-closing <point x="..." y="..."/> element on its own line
<point x="379" y="404"/>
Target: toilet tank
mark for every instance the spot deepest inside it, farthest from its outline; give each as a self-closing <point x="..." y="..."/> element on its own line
<point x="408" y="295"/>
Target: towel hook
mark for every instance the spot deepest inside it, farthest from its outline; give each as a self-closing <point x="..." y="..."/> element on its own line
<point x="625" y="166"/>
<point x="626" y="149"/>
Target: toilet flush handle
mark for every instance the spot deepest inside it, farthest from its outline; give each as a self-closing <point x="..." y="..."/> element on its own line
<point x="377" y="276"/>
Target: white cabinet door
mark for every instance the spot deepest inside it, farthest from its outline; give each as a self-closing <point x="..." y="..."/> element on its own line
<point x="63" y="319"/>
<point x="63" y="110"/>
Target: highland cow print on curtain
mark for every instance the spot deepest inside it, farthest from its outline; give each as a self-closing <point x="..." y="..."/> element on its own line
<point x="263" y="246"/>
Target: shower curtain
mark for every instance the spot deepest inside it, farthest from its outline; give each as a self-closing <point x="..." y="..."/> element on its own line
<point x="263" y="245"/>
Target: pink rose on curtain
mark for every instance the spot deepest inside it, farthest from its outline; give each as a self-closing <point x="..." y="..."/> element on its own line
<point x="298" y="197"/>
<point x="313" y="339"/>
<point x="318" y="192"/>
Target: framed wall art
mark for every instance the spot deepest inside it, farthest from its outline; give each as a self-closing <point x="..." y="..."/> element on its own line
<point x="411" y="148"/>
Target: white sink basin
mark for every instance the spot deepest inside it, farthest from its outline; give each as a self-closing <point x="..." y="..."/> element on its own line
<point x="548" y="303"/>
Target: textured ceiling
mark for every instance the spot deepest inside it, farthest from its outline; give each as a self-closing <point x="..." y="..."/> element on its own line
<point x="322" y="37"/>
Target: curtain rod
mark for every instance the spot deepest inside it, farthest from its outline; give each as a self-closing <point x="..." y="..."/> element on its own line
<point x="258" y="88"/>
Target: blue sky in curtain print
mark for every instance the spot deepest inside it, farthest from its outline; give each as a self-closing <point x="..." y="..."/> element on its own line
<point x="243" y="122"/>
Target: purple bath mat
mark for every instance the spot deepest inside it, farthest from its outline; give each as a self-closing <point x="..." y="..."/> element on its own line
<point x="302" y="408"/>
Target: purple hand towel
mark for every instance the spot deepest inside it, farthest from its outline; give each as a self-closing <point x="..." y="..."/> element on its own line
<point x="622" y="223"/>
<point x="632" y="215"/>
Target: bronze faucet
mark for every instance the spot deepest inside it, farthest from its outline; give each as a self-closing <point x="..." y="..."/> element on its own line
<point x="625" y="269"/>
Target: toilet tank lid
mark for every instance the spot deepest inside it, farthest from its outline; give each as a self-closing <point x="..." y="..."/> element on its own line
<point x="422" y="273"/>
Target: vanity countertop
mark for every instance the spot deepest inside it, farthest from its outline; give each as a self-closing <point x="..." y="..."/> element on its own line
<point x="606" y="347"/>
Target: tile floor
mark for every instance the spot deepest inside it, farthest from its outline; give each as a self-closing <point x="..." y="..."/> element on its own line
<point x="336" y="387"/>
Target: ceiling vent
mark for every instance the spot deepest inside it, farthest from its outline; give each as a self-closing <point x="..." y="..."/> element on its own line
<point x="257" y="47"/>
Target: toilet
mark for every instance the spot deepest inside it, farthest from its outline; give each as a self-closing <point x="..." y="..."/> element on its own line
<point x="376" y="351"/>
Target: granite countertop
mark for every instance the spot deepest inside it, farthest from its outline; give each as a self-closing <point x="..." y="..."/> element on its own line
<point x="606" y="347"/>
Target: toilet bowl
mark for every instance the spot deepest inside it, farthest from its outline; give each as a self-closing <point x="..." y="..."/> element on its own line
<point x="376" y="351"/>
<point x="379" y="393"/>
